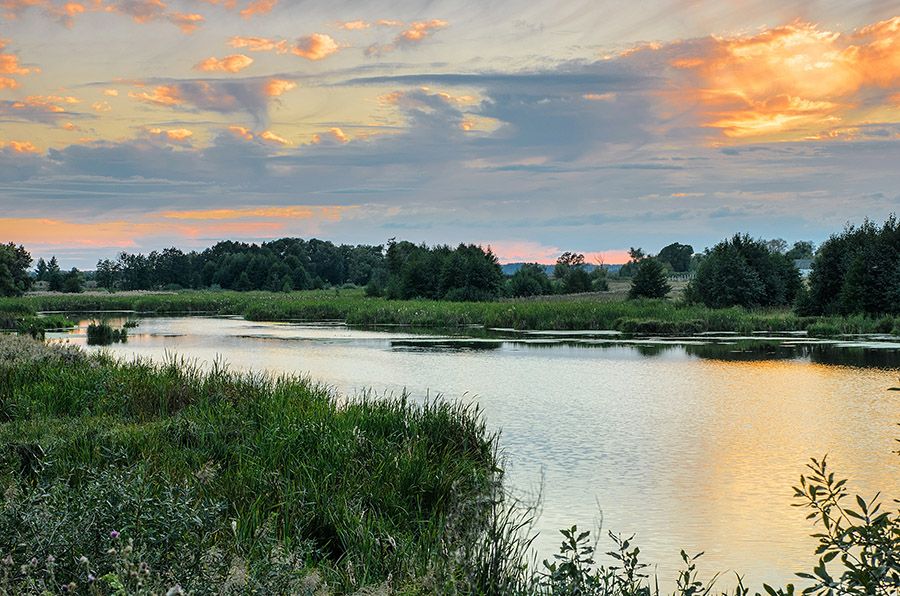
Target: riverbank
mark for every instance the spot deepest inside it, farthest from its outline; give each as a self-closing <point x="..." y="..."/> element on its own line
<point x="273" y="485"/>
<point x="352" y="307"/>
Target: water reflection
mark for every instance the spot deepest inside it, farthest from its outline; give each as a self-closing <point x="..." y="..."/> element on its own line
<point x="866" y="354"/>
<point x="689" y="442"/>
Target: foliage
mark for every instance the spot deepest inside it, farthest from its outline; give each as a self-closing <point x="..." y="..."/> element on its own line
<point x="864" y="539"/>
<point x="102" y="334"/>
<point x="466" y="273"/>
<point x="742" y="271"/>
<point x="649" y="281"/>
<point x="857" y="271"/>
<point x="801" y="250"/>
<point x="72" y="282"/>
<point x="530" y="280"/>
<point x="573" y="277"/>
<point x="677" y="256"/>
<point x="14" y="264"/>
<point x="281" y="265"/>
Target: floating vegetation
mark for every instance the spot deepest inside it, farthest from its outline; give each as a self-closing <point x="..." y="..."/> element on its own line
<point x="103" y="334"/>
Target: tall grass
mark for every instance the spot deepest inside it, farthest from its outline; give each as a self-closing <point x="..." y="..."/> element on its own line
<point x="274" y="472"/>
<point x="351" y="306"/>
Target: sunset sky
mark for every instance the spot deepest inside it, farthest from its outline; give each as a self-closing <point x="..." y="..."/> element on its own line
<point x="531" y="126"/>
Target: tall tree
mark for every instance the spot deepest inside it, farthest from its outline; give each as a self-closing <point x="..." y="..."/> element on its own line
<point x="15" y="262"/>
<point x="649" y="280"/>
<point x="677" y="255"/>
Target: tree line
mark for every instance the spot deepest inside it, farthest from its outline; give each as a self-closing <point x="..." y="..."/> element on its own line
<point x="854" y="271"/>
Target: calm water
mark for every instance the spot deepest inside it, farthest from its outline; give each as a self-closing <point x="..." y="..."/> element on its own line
<point x="691" y="443"/>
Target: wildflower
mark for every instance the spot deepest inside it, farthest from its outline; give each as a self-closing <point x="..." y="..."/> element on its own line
<point x="34" y="561"/>
<point x="175" y="591"/>
<point x="83" y="560"/>
<point x="8" y="560"/>
<point x="114" y="535"/>
<point x="51" y="559"/>
<point x="91" y="578"/>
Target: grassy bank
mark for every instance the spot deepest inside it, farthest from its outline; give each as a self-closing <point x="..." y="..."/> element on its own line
<point x="653" y="316"/>
<point x="224" y="479"/>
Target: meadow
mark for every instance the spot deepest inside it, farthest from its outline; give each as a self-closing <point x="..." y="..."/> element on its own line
<point x="354" y="308"/>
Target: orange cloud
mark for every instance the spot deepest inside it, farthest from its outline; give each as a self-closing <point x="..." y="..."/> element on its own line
<point x="111" y="92"/>
<point x="232" y="63"/>
<point x="8" y="83"/>
<point x="315" y="47"/>
<point x="19" y="146"/>
<point x="259" y="44"/>
<point x="101" y="106"/>
<point x="163" y="95"/>
<point x="271" y="137"/>
<point x="354" y="25"/>
<point x="414" y="32"/>
<point x="241" y="132"/>
<point x="258" y="7"/>
<point x="172" y="134"/>
<point x="187" y="22"/>
<point x="276" y="87"/>
<point x="794" y="81"/>
<point x="419" y="30"/>
<point x="388" y="23"/>
<point x="334" y="134"/>
<point x="9" y="65"/>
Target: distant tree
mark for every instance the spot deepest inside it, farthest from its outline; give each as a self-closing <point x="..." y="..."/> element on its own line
<point x="530" y="280"/>
<point x="571" y="274"/>
<point x="742" y="271"/>
<point x="777" y="245"/>
<point x="15" y="262"/>
<point x="107" y="274"/>
<point x="73" y="282"/>
<point x="41" y="270"/>
<point x="801" y="250"/>
<point x="54" y="275"/>
<point x="635" y="255"/>
<point x="677" y="256"/>
<point x="649" y="280"/>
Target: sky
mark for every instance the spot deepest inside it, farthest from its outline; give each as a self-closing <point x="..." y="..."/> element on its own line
<point x="533" y="127"/>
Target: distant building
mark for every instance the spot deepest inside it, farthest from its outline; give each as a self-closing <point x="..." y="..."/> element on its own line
<point x="804" y="266"/>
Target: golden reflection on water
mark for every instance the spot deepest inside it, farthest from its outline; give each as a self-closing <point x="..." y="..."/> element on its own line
<point x="684" y="449"/>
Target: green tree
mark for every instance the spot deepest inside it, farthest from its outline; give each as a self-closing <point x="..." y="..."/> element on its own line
<point x="73" y="282"/>
<point x="54" y="275"/>
<point x="649" y="280"/>
<point x="530" y="280"/>
<point x="41" y="270"/>
<point x="742" y="271"/>
<point x="801" y="250"/>
<point x="107" y="274"/>
<point x="678" y="256"/>
<point x="857" y="271"/>
<point x="15" y="262"/>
